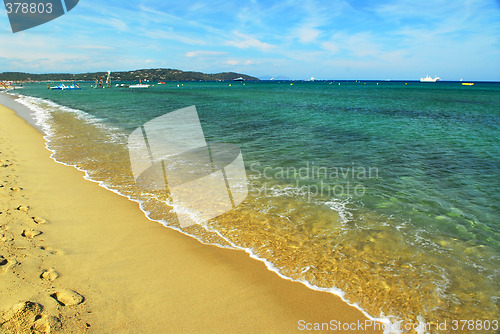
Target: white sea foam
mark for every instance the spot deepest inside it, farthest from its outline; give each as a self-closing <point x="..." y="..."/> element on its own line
<point x="41" y="113"/>
<point x="340" y="206"/>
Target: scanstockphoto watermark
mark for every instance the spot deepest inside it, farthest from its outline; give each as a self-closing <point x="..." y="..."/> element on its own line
<point x="311" y="180"/>
<point x="369" y="326"/>
<point x="453" y="325"/>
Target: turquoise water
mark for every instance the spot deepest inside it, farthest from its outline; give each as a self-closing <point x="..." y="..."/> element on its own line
<point x="365" y="187"/>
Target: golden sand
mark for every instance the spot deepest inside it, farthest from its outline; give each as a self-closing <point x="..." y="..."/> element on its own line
<point x="75" y="257"/>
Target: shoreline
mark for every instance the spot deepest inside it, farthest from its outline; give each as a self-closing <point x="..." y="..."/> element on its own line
<point x="133" y="273"/>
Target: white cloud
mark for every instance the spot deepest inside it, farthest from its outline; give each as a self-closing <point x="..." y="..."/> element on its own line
<point x="331" y="47"/>
<point x="401" y="10"/>
<point x="117" y="24"/>
<point x="307" y="34"/>
<point x="247" y="41"/>
<point x="359" y="45"/>
<point x="98" y="22"/>
<point x="170" y="35"/>
<point x="200" y="53"/>
<point x="234" y="62"/>
<point x="363" y="45"/>
<point x="160" y="18"/>
<point x="90" y="47"/>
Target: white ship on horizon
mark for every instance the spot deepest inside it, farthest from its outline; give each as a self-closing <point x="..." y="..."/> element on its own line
<point x="429" y="79"/>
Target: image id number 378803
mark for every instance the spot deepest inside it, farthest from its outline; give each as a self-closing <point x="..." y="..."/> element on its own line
<point x="28" y="8"/>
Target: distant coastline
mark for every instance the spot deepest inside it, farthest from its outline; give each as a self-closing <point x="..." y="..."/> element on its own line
<point x="160" y="74"/>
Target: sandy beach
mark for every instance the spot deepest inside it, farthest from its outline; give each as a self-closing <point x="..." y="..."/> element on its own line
<point x="75" y="258"/>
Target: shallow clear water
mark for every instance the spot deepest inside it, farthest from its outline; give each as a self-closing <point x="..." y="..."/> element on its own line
<point x="388" y="191"/>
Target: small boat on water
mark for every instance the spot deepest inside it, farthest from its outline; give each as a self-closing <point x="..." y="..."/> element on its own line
<point x="429" y="79"/>
<point x="239" y="79"/>
<point x="138" y="86"/>
<point x="467" y="84"/>
<point x="135" y="86"/>
<point x="64" y="87"/>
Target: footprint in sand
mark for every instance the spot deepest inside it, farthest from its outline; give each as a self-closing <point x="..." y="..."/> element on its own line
<point x="4" y="237"/>
<point x="39" y="220"/>
<point x="16" y="188"/>
<point x="45" y="324"/>
<point x="30" y="234"/>
<point x="6" y="263"/>
<point x="27" y="317"/>
<point x="49" y="274"/>
<point x="22" y="208"/>
<point x="52" y="250"/>
<point x="22" y="311"/>
<point x="67" y="297"/>
<point x="3" y="263"/>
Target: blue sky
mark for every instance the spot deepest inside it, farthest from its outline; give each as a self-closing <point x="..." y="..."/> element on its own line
<point x="329" y="39"/>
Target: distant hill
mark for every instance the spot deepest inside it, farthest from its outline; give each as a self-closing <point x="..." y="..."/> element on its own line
<point x="160" y="74"/>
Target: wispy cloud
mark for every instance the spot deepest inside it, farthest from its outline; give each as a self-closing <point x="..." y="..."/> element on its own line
<point x="118" y="24"/>
<point x="331" y="46"/>
<point x="98" y="23"/>
<point x="90" y="47"/>
<point x="244" y="41"/>
<point x="307" y="34"/>
<point x="204" y="53"/>
<point x="240" y="62"/>
<point x="158" y="34"/>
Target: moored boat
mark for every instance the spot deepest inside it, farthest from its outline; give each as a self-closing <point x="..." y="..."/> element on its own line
<point x="138" y="86"/>
<point x="429" y="79"/>
<point x="64" y="87"/>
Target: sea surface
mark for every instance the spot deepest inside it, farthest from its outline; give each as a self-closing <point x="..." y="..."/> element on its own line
<point x="385" y="193"/>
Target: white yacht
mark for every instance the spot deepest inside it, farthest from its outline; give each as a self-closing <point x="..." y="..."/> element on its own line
<point x="429" y="79"/>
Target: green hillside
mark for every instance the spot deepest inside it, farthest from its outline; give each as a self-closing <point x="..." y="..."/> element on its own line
<point x="160" y="74"/>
